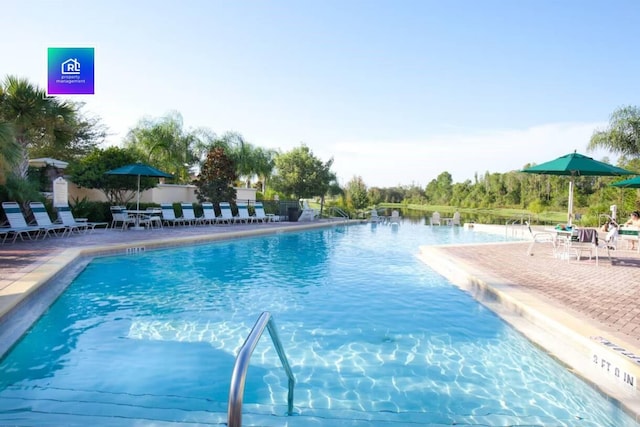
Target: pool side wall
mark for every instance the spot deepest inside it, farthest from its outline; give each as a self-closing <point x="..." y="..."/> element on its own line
<point x="567" y="339"/>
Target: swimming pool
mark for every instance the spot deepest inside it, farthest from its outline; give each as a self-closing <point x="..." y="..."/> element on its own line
<point x="374" y="337"/>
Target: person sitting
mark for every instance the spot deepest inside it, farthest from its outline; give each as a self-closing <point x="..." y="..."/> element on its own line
<point x="634" y="221"/>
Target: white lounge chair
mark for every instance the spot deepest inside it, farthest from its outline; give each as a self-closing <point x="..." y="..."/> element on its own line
<point x="65" y="216"/>
<point x="208" y="213"/>
<point x="17" y="224"/>
<point x="169" y="215"/>
<point x="260" y="215"/>
<point x="226" y="216"/>
<point x="41" y="217"/>
<point x="435" y="218"/>
<point x="243" y="213"/>
<point x="188" y="214"/>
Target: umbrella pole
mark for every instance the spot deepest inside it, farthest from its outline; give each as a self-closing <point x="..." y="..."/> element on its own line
<point x="570" y="207"/>
<point x="138" y="204"/>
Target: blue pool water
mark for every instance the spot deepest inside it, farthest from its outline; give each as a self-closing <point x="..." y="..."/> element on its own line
<point x="374" y="338"/>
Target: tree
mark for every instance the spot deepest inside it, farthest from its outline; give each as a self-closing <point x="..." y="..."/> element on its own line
<point x="623" y="134"/>
<point x="440" y="190"/>
<point x="217" y="177"/>
<point x="164" y="142"/>
<point x="301" y="175"/>
<point x="10" y="151"/>
<point x="264" y="164"/>
<point x="357" y="197"/>
<point x="44" y="126"/>
<point x="89" y="172"/>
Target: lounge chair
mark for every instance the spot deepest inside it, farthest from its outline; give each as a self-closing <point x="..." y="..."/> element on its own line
<point x="41" y="217"/>
<point x="65" y="216"/>
<point x="435" y="218"/>
<point x="169" y="215"/>
<point x="17" y="224"/>
<point x="208" y="213"/>
<point x="260" y="215"/>
<point x="243" y="213"/>
<point x="226" y="216"/>
<point x="188" y="214"/>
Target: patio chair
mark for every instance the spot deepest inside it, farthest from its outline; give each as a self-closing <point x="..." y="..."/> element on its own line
<point x="226" y="216"/>
<point x="121" y="218"/>
<point x="586" y="241"/>
<point x="630" y="234"/>
<point x="395" y="218"/>
<point x="243" y="213"/>
<point x="456" y="219"/>
<point x="375" y="218"/>
<point x="65" y="216"/>
<point x="41" y="217"/>
<point x="154" y="218"/>
<point x="169" y="215"/>
<point x="435" y="218"/>
<point x="17" y="224"/>
<point x="541" y="237"/>
<point x="208" y="213"/>
<point x="188" y="214"/>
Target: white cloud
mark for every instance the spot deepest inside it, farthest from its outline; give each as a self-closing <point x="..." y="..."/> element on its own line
<point x="386" y="163"/>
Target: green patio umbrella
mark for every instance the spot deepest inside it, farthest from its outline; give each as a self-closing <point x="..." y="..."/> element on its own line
<point x="139" y="169"/>
<point x="628" y="183"/>
<point x="573" y="165"/>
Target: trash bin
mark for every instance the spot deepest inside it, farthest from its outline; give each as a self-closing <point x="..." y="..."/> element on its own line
<point x="293" y="214"/>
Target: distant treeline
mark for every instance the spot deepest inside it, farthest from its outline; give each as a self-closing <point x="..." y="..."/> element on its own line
<point x="535" y="193"/>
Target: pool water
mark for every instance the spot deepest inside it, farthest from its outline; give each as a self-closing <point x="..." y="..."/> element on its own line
<point x="374" y="337"/>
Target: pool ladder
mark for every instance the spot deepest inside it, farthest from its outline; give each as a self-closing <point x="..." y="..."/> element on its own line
<point x="236" y="390"/>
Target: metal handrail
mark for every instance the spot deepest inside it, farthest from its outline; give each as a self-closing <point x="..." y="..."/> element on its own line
<point x="510" y="224"/>
<point x="239" y="375"/>
<point x="339" y="213"/>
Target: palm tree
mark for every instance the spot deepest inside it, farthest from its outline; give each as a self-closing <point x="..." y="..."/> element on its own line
<point x="165" y="144"/>
<point x="623" y="134"/>
<point x="264" y="165"/>
<point x="37" y="120"/>
<point x="10" y="151"/>
<point x="242" y="154"/>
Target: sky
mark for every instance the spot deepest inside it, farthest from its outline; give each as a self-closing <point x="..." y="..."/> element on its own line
<point x="396" y="92"/>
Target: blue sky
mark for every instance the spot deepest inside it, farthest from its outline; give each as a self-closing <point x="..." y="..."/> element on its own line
<point x="395" y="91"/>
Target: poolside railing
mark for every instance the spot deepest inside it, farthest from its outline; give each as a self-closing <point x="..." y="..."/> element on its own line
<point x="239" y="375"/>
<point x="335" y="212"/>
<point x="515" y="227"/>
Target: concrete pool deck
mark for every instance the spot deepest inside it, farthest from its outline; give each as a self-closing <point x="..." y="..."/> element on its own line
<point x="586" y="316"/>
